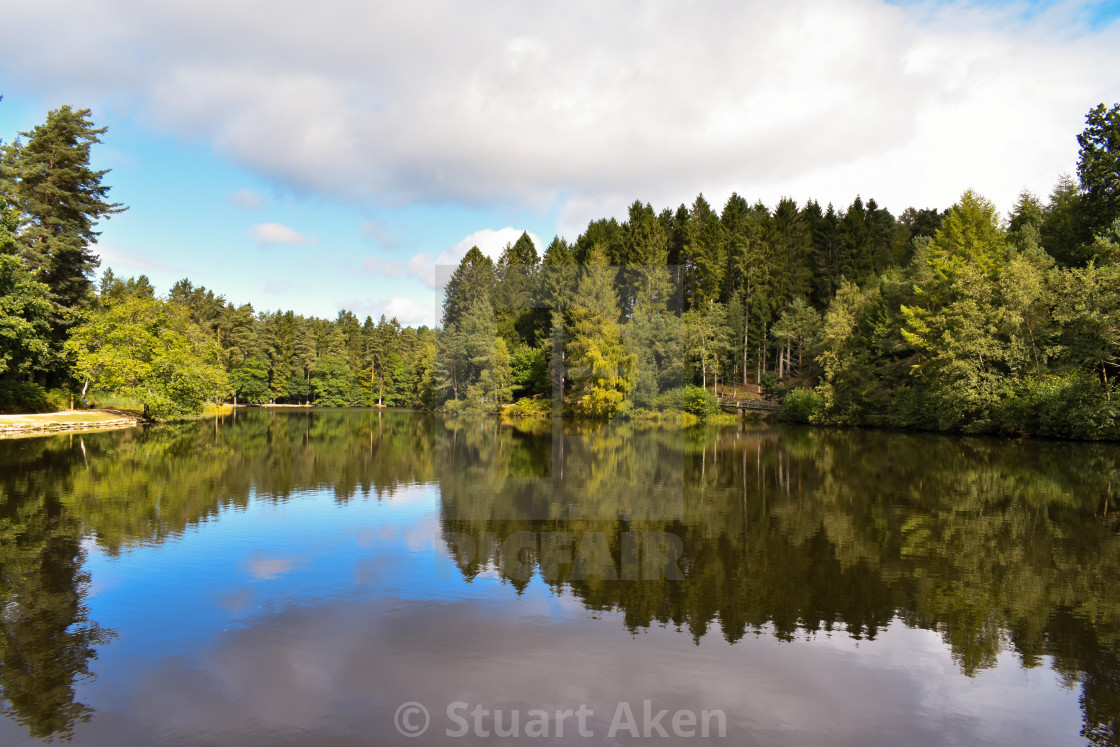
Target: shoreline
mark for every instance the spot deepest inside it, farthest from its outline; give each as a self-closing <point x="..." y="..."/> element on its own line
<point x="67" y="420"/>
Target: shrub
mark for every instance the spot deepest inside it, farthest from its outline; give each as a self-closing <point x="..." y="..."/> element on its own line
<point x="21" y="396"/>
<point x="670" y="400"/>
<point x="699" y="401"/>
<point x="530" y="407"/>
<point x="1062" y="406"/>
<point x="799" y="406"/>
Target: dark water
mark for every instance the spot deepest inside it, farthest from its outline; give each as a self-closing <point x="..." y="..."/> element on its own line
<point x="293" y="578"/>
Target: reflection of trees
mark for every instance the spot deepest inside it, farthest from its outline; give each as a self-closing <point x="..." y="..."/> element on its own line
<point x="138" y="486"/>
<point x="996" y="545"/>
<point x="46" y="639"/>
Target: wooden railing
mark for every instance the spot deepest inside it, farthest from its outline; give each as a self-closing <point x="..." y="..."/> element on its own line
<point x="749" y="404"/>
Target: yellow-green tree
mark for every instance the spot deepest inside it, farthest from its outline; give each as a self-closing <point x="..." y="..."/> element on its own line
<point x="147" y="350"/>
<point x="602" y="371"/>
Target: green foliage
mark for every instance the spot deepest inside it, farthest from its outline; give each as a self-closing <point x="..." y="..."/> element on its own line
<point x="22" y="396"/>
<point x="529" y="370"/>
<point x="471" y="283"/>
<point x="847" y="387"/>
<point x="529" y="407"/>
<point x="1061" y="406"/>
<point x="969" y="239"/>
<point x="146" y="349"/>
<point x="699" y="401"/>
<point x="25" y="308"/>
<point x="601" y="368"/>
<point x="60" y="199"/>
<point x="800" y="406"/>
<point x="1098" y="167"/>
<point x="672" y="400"/>
<point x="249" y="381"/>
<point x="936" y="319"/>
<point x="331" y="382"/>
<point x="1063" y="233"/>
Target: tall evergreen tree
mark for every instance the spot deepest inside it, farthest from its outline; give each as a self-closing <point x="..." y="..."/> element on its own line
<point x="1098" y="167"/>
<point x="61" y="199"/>
<point x="472" y="281"/>
<point x="703" y="255"/>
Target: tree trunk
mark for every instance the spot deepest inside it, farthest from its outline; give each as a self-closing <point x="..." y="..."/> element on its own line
<point x="764" y="350"/>
<point x="746" y="330"/>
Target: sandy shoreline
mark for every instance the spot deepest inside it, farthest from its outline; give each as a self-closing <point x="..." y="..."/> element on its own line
<point x="67" y="420"/>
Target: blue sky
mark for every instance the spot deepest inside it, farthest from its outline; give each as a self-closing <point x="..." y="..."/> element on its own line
<point x="326" y="159"/>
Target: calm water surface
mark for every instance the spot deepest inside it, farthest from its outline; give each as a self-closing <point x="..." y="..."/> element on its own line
<point x="293" y="578"/>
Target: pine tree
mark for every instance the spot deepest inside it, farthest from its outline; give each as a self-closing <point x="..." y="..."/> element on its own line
<point x="1098" y="167"/>
<point x="61" y="200"/>
<point x="703" y="255"/>
<point x="514" y="299"/>
<point x="472" y="281"/>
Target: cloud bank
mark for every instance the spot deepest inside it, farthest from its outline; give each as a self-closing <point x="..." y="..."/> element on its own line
<point x="581" y="107"/>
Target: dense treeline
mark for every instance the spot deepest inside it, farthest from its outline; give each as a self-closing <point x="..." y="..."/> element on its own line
<point x="952" y="320"/>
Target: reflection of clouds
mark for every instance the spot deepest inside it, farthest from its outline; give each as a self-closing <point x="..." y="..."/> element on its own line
<point x="367" y="536"/>
<point x="423" y="535"/>
<point x="408" y="494"/>
<point x="334" y="674"/>
<point x="265" y="568"/>
<point x="237" y="602"/>
<point x="373" y="536"/>
<point x="374" y="571"/>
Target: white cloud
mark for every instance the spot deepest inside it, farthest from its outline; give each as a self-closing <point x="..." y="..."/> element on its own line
<point x="267" y="234"/>
<point x="570" y="106"/>
<point x="122" y="260"/>
<point x="433" y="272"/>
<point x="380" y="234"/>
<point x="419" y="267"/>
<point x="408" y="311"/>
<point x="246" y="199"/>
<point x="489" y="241"/>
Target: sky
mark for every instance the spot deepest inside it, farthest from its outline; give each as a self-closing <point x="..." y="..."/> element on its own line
<point x="332" y="155"/>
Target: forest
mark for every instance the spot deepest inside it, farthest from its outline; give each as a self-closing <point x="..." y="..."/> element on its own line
<point x="957" y="320"/>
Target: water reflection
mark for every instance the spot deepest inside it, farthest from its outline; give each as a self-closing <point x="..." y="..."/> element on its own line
<point x="46" y="638"/>
<point x="999" y="547"/>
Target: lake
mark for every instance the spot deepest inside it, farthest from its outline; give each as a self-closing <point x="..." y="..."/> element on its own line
<point x="359" y="577"/>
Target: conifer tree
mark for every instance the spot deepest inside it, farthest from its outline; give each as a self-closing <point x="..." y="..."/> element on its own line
<point x="472" y="281"/>
<point x="1098" y="167"/>
<point x="60" y="198"/>
<point x="601" y="368"/>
